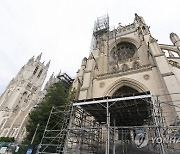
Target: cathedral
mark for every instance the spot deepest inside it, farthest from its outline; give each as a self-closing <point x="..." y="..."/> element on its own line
<point x="129" y="84"/>
<point x="129" y="60"/>
<point x="20" y="96"/>
<point x="126" y="95"/>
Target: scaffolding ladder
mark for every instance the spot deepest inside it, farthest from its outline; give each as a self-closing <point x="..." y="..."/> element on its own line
<point x="54" y="136"/>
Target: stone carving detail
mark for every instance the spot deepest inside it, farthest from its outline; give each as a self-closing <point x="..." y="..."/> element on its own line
<point x="122" y="30"/>
<point x="146" y="76"/>
<point x="136" y="65"/>
<point x="114" y="69"/>
<point x="174" y="63"/>
<point x="102" y="84"/>
<point x="125" y="67"/>
<point x="129" y="27"/>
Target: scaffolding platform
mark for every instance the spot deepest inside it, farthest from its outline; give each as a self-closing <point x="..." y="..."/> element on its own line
<point x="127" y="110"/>
<point x="110" y="125"/>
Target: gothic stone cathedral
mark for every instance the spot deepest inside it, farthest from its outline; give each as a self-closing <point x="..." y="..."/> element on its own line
<point x="129" y="85"/>
<point x="20" y="96"/>
<point x="123" y="63"/>
<point x="126" y="60"/>
<point x="129" y="60"/>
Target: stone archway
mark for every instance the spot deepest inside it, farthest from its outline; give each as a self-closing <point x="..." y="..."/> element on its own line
<point x="125" y="39"/>
<point x="125" y="90"/>
<point x="123" y="84"/>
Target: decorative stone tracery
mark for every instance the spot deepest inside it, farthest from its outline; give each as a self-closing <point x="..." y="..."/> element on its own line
<point x="123" y="51"/>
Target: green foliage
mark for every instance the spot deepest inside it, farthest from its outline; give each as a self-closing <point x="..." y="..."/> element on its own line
<point x="57" y="95"/>
<point x="7" y="139"/>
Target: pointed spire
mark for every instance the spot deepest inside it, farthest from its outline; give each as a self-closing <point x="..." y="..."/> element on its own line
<point x="174" y="38"/>
<point x="139" y="19"/>
<point x="84" y="61"/>
<point x="30" y="60"/>
<point x="39" y="57"/>
<point x="59" y="73"/>
<point x="49" y="82"/>
<point x="47" y="65"/>
<point x="52" y="76"/>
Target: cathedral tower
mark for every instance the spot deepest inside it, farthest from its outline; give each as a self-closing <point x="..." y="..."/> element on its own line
<point x="20" y="96"/>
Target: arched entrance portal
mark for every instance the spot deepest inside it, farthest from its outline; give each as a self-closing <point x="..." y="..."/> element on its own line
<point x="129" y="117"/>
<point x="129" y="112"/>
<point x="125" y="86"/>
<point x="124" y="90"/>
<point x="121" y="115"/>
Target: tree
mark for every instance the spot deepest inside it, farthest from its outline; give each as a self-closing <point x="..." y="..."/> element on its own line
<point x="7" y="139"/>
<point x="57" y="95"/>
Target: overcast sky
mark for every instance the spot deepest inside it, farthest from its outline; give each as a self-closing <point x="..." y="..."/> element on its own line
<point x="62" y="29"/>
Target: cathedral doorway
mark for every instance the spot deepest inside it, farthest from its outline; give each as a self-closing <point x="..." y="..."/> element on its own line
<point x="120" y="118"/>
<point x="124" y="90"/>
<point x="129" y="118"/>
<point x="129" y="112"/>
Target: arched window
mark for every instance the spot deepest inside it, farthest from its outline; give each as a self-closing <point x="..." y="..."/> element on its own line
<point x="35" y="70"/>
<point x="40" y="73"/>
<point x="125" y="67"/>
<point x="136" y="65"/>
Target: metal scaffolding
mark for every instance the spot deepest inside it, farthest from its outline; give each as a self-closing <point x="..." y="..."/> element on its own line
<point x="101" y="25"/>
<point x="54" y="136"/>
<point x="110" y="125"/>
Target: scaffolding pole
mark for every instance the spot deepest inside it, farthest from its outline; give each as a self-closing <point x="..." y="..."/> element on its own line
<point x="108" y="128"/>
<point x="83" y="132"/>
<point x="155" y="118"/>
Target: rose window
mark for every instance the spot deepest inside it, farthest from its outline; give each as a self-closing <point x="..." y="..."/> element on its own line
<point x="123" y="51"/>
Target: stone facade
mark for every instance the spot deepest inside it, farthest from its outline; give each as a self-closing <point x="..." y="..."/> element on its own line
<point x="19" y="98"/>
<point x="129" y="56"/>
